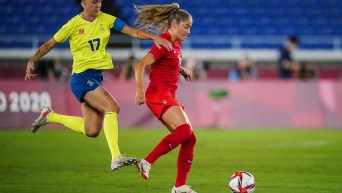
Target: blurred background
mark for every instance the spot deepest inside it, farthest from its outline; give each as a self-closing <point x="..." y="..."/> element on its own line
<point x="256" y="63"/>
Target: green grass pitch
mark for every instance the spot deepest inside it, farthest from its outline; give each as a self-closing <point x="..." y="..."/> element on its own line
<point x="60" y="161"/>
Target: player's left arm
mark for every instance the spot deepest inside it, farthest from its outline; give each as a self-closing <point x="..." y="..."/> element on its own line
<point x="121" y="26"/>
<point x="187" y="74"/>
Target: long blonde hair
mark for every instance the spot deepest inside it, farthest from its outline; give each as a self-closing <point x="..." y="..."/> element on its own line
<point x="159" y="17"/>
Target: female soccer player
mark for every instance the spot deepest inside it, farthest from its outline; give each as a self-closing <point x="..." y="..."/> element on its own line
<point x="160" y="94"/>
<point x="88" y="34"/>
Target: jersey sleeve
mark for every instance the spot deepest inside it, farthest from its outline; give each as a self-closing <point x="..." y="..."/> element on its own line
<point x="158" y="53"/>
<point x="114" y="22"/>
<point x="109" y="19"/>
<point x="64" y="33"/>
<point x="118" y="24"/>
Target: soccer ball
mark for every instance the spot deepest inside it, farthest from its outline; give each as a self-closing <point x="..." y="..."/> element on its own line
<point x="242" y="182"/>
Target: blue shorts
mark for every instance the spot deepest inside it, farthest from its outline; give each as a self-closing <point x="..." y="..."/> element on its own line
<point x="86" y="81"/>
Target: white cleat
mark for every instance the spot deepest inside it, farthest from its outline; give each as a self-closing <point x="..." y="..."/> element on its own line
<point x="144" y="168"/>
<point x="122" y="161"/>
<point x="42" y="119"/>
<point x="182" y="189"/>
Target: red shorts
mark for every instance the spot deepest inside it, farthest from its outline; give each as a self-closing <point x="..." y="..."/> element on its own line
<point x="159" y="102"/>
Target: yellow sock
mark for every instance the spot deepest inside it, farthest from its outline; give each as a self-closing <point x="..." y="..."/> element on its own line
<point x="70" y="122"/>
<point x="110" y="127"/>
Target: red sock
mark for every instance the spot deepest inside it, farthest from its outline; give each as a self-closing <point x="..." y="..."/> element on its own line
<point x="181" y="134"/>
<point x="185" y="157"/>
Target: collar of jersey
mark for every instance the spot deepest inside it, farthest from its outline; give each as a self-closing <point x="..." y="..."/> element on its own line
<point x="87" y="20"/>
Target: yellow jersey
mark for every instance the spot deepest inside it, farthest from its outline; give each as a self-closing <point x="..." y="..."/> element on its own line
<point x="88" y="42"/>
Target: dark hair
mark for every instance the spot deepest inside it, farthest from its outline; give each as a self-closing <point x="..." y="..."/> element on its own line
<point x="293" y="39"/>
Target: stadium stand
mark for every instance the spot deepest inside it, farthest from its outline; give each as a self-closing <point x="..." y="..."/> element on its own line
<point x="233" y="24"/>
<point x="232" y="18"/>
<point x="235" y="18"/>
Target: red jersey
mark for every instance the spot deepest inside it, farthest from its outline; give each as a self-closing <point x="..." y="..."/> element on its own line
<point x="165" y="70"/>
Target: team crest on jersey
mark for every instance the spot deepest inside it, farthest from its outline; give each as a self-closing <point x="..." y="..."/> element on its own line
<point x="101" y="27"/>
<point x="81" y="31"/>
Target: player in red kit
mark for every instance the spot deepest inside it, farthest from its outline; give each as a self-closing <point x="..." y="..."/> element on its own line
<point x="175" y="23"/>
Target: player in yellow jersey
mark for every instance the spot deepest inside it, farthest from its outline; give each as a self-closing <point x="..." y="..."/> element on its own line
<point x="88" y="34"/>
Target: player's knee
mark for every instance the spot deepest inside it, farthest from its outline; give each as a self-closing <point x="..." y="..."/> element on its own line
<point x="186" y="132"/>
<point x="92" y="133"/>
<point x="112" y="108"/>
<point x="193" y="139"/>
<point x="117" y="109"/>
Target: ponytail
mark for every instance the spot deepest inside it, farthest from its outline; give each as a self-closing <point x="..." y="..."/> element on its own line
<point x="159" y="17"/>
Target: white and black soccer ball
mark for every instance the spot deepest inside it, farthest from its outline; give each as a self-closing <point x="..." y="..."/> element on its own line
<point x="242" y="182"/>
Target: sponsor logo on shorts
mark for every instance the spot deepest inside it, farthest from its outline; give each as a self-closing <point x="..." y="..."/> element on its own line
<point x="164" y="102"/>
<point x="90" y="83"/>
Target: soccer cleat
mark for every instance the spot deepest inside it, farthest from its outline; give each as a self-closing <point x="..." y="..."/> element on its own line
<point x="42" y="119"/>
<point x="122" y="161"/>
<point x="144" y="168"/>
<point x="182" y="189"/>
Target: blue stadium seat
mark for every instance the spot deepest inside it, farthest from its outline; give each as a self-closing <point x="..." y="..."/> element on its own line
<point x="214" y="17"/>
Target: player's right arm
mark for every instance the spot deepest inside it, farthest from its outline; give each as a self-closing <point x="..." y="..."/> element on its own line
<point x="142" y="35"/>
<point x="41" y="51"/>
<point x="139" y="77"/>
